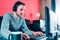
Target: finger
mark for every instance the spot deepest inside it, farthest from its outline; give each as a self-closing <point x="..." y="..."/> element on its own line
<point x="28" y="37"/>
<point x="41" y="33"/>
<point x="25" y="37"/>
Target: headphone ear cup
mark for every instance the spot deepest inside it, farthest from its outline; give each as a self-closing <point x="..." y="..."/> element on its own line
<point x="14" y="8"/>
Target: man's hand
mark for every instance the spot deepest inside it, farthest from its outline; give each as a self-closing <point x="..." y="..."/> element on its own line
<point x="37" y="33"/>
<point x="25" y="36"/>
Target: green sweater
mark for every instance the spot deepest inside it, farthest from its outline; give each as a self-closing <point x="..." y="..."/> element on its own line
<point x="11" y="23"/>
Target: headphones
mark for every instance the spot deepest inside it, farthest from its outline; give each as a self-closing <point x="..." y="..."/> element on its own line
<point x="16" y="5"/>
<point x="15" y="8"/>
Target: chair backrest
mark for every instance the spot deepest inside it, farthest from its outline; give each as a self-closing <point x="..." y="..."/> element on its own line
<point x="1" y="17"/>
<point x="35" y="26"/>
<point x="0" y="24"/>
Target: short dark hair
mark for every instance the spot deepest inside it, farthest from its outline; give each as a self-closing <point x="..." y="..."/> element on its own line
<point x="17" y="4"/>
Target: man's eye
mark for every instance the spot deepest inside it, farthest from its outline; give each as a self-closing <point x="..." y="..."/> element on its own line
<point x="21" y="9"/>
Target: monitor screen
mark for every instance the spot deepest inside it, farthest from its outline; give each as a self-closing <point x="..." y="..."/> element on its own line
<point x="53" y="21"/>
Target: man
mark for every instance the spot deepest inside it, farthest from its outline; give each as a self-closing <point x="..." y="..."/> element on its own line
<point x="13" y="22"/>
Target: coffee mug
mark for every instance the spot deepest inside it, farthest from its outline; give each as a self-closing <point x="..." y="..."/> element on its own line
<point x="15" y="36"/>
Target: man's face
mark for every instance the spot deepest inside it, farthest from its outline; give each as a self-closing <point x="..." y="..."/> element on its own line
<point x="20" y="10"/>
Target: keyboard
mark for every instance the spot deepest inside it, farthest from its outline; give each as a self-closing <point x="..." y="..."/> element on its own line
<point x="40" y="36"/>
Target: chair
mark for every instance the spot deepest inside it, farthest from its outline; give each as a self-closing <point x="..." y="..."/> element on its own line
<point x="1" y="17"/>
<point x="0" y="21"/>
<point x="35" y="26"/>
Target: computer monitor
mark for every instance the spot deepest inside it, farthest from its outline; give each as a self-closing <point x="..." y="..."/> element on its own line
<point x="50" y="22"/>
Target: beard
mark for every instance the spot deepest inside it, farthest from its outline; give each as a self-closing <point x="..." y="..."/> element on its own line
<point x="19" y="15"/>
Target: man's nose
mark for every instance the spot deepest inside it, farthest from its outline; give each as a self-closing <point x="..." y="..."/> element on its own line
<point x="22" y="11"/>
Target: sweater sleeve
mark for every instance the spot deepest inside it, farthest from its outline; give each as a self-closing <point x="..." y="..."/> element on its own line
<point x="5" y="26"/>
<point x="25" y="29"/>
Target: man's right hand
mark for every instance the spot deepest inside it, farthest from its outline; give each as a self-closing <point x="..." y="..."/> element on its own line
<point x="25" y="36"/>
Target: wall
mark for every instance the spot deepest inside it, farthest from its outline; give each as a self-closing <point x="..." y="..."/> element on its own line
<point x="44" y="3"/>
<point x="32" y="8"/>
<point x="58" y="11"/>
